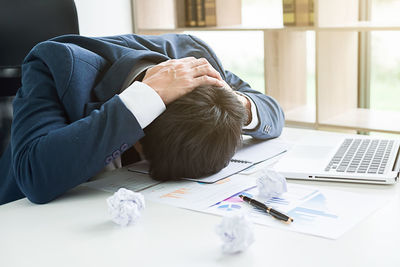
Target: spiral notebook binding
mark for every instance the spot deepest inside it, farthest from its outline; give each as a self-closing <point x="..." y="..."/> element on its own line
<point x="240" y="161"/>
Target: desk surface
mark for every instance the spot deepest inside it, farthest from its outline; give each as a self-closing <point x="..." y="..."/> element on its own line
<point x="75" y="230"/>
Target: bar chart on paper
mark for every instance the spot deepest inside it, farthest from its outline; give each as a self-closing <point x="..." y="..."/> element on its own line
<point x="324" y="213"/>
<point x="195" y="195"/>
<point x="178" y="193"/>
<point x="313" y="208"/>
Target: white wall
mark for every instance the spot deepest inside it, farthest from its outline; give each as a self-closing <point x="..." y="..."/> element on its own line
<point x="104" y="17"/>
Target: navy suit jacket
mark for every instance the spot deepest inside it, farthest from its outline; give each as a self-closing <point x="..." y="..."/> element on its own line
<point x="68" y="120"/>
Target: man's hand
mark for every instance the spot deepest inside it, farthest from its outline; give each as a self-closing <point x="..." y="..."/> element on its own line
<point x="176" y="77"/>
<point x="245" y="101"/>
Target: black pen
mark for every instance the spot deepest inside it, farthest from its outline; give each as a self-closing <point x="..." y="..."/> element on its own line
<point x="274" y="213"/>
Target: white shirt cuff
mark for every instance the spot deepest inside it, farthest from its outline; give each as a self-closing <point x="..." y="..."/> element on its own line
<point x="254" y="115"/>
<point x="144" y="103"/>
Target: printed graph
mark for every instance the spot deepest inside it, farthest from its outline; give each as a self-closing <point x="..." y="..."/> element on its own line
<point x="177" y="194"/>
<point x="234" y="199"/>
<point x="325" y="213"/>
<point x="229" y="207"/>
<point x="237" y="199"/>
<point x="277" y="200"/>
<point x="226" y="180"/>
<point x="312" y="209"/>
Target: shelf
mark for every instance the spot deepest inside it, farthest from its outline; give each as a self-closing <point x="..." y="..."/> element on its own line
<point x="360" y="26"/>
<point x="232" y="28"/>
<point x="366" y="120"/>
<point x="301" y="116"/>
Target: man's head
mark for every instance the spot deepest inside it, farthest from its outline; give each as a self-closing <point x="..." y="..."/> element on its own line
<point x="196" y="136"/>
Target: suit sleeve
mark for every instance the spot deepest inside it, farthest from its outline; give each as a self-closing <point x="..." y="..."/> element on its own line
<point x="270" y="115"/>
<point x="50" y="154"/>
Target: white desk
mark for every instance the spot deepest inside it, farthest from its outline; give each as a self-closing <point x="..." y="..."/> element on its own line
<point x="75" y="230"/>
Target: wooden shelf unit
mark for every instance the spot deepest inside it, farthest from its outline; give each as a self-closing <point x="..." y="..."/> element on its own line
<point x="354" y="27"/>
<point x="285" y="62"/>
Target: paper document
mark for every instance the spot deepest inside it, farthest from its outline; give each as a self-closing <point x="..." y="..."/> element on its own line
<point x="114" y="180"/>
<point x="232" y="168"/>
<point x="140" y="167"/>
<point x="316" y="211"/>
<point x="195" y="195"/>
<point x="252" y="152"/>
<point x="256" y="151"/>
<point x="320" y="212"/>
<point x="182" y="193"/>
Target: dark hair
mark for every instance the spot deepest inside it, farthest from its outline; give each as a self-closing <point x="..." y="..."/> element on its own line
<point x="196" y="136"/>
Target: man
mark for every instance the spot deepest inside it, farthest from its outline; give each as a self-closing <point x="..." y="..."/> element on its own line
<point x="85" y="101"/>
<point x="196" y="136"/>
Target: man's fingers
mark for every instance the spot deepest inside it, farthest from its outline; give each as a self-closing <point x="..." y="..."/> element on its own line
<point x="227" y="86"/>
<point x="188" y="62"/>
<point x="207" y="80"/>
<point x="174" y="78"/>
<point x="208" y="70"/>
<point x="195" y="66"/>
<point x="187" y="59"/>
<point x="180" y="61"/>
<point x="198" y="62"/>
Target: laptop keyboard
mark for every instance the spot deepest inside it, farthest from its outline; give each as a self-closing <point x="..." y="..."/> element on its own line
<point x="361" y="156"/>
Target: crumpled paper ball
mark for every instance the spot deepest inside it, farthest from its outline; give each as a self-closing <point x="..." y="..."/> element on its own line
<point x="125" y="206"/>
<point x="236" y="232"/>
<point x="271" y="184"/>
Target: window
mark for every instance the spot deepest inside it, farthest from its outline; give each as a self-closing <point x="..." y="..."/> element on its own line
<point x="385" y="71"/>
<point x="385" y="57"/>
<point x="243" y="58"/>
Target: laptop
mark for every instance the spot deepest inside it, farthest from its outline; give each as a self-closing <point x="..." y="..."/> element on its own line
<point x="342" y="158"/>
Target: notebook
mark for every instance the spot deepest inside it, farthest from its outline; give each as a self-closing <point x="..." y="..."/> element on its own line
<point x="251" y="153"/>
